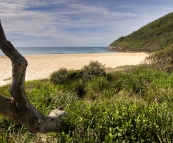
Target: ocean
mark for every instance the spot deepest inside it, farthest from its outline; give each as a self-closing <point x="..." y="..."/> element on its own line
<point x="60" y="50"/>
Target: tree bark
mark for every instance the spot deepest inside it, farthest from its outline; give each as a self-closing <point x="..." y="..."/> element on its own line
<point x="19" y="107"/>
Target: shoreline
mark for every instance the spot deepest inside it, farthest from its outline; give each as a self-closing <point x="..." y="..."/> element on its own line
<point x="68" y="54"/>
<point x="41" y="66"/>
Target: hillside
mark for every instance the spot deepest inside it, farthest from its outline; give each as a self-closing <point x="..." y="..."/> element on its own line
<point x="151" y="37"/>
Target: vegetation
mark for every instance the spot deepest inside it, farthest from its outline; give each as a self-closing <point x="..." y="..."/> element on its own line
<point x="63" y="76"/>
<point x="134" y="105"/>
<point x="162" y="59"/>
<point x="93" y="69"/>
<point x="152" y="37"/>
<point x="60" y="76"/>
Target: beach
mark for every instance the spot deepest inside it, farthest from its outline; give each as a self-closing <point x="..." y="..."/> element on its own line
<point x="41" y="66"/>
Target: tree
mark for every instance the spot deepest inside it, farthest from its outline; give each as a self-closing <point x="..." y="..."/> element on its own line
<point x="19" y="107"/>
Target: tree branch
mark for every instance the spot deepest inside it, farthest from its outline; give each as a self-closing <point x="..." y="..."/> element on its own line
<point x="19" y="107"/>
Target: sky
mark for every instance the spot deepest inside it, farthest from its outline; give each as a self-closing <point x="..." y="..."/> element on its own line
<point x="76" y="23"/>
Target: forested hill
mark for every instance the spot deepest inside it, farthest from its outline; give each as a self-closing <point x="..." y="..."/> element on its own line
<point x="152" y="37"/>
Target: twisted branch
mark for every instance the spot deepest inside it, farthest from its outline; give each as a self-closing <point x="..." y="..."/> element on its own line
<point x="19" y="107"/>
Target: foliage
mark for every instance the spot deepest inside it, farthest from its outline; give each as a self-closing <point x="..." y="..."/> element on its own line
<point x="59" y="77"/>
<point x="93" y="69"/>
<point x="63" y="76"/>
<point x="74" y="75"/>
<point x="76" y="86"/>
<point x="131" y="106"/>
<point x="162" y="59"/>
<point x="152" y="37"/>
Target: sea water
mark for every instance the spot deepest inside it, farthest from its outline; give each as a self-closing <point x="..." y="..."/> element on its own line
<point x="59" y="50"/>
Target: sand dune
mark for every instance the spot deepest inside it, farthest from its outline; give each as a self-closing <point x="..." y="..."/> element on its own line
<point x="41" y="66"/>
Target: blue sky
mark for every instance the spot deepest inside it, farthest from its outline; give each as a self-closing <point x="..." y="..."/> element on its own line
<point x="61" y="23"/>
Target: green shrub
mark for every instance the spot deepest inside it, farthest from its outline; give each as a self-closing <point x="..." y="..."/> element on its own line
<point x="79" y="87"/>
<point x="93" y="69"/>
<point x="96" y="86"/>
<point x="63" y="76"/>
<point x="60" y="76"/>
<point x="163" y="59"/>
<point x="74" y="75"/>
<point x="117" y="80"/>
<point x="76" y="86"/>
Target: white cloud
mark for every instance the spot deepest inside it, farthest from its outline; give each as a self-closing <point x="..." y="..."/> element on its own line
<point x="71" y="23"/>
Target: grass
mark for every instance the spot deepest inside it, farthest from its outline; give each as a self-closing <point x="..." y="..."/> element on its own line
<point x="151" y="37"/>
<point x="132" y="105"/>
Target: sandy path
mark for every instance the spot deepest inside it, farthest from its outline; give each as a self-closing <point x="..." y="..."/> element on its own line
<point x="41" y="66"/>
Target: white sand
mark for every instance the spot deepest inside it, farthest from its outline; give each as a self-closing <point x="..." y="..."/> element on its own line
<point x="41" y="66"/>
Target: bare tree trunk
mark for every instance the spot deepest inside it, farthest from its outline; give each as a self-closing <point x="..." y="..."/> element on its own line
<point x="19" y="107"/>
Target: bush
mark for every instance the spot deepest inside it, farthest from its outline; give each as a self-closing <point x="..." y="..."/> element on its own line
<point x="63" y="76"/>
<point x="98" y="84"/>
<point x="60" y="76"/>
<point x="93" y="69"/>
<point x="163" y="59"/>
<point x="117" y="80"/>
<point x="74" y="75"/>
<point x="79" y="88"/>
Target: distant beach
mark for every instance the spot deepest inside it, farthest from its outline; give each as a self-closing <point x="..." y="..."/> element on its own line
<point x="41" y="66"/>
